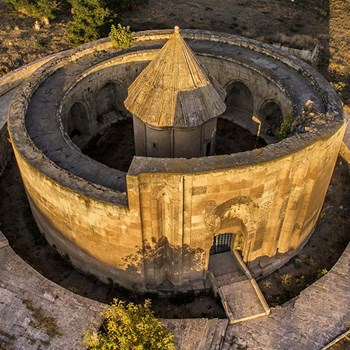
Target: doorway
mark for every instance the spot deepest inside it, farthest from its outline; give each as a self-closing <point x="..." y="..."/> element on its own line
<point x="222" y="243"/>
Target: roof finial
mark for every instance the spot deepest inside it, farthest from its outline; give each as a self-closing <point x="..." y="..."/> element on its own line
<point x="176" y="29"/>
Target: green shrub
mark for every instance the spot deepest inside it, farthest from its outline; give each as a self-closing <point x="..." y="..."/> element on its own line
<point x="121" y="37"/>
<point x="321" y="272"/>
<point x="42" y="9"/>
<point x="130" y="326"/>
<point x="286" y="126"/>
<point x="91" y="20"/>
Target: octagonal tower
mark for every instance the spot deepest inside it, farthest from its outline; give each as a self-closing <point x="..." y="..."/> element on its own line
<point x="174" y="103"/>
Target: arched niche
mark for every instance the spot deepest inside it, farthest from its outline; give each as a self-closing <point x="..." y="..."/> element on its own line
<point x="240" y="106"/>
<point x="271" y="117"/>
<point x="106" y="99"/>
<point x="239" y="100"/>
<point x="79" y="121"/>
<point x="106" y="104"/>
<point x="109" y="102"/>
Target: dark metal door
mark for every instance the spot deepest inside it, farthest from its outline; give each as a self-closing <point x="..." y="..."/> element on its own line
<point x="222" y="243"/>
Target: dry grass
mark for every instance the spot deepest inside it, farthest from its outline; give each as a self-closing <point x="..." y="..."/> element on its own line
<point x="42" y="321"/>
<point x="297" y="41"/>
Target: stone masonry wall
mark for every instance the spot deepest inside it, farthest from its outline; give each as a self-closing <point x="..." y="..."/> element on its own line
<point x="96" y="235"/>
<point x="242" y="200"/>
<point x="174" y="207"/>
<point x="8" y="85"/>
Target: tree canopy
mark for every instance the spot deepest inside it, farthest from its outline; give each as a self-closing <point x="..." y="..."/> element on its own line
<point x="129" y="326"/>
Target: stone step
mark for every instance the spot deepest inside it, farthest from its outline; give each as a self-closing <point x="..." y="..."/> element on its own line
<point x="215" y="334"/>
<point x="198" y="334"/>
<point x="229" y="278"/>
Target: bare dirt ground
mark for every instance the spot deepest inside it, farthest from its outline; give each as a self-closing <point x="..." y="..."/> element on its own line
<point x="252" y="18"/>
<point x="21" y="44"/>
<point x="327" y="21"/>
<point x="339" y="48"/>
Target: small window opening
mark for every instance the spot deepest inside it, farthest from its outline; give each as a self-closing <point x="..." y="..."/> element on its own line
<point x="154" y="146"/>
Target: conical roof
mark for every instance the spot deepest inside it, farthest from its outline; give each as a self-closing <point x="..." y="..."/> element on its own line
<point x="175" y="89"/>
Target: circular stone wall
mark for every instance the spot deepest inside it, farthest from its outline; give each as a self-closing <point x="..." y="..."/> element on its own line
<point x="156" y="223"/>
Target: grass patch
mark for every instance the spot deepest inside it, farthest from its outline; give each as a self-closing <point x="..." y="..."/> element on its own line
<point x="41" y="320"/>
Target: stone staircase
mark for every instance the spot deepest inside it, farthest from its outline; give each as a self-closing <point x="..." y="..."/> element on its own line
<point x="215" y="334"/>
<point x="230" y="278"/>
<point x="238" y="290"/>
<point x="198" y="334"/>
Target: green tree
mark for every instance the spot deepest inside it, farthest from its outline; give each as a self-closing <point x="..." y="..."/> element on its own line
<point x="130" y="327"/>
<point x="91" y="20"/>
<point x="121" y="37"/>
<point x="42" y="9"/>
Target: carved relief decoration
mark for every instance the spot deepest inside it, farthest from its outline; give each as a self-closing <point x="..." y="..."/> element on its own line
<point x="239" y="210"/>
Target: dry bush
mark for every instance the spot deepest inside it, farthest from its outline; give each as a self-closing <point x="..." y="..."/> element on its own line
<point x="296" y="41"/>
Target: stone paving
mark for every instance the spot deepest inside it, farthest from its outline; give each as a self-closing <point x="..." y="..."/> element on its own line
<point x="310" y="321"/>
<point x="37" y="314"/>
<point x="201" y="334"/>
<point x="242" y="301"/>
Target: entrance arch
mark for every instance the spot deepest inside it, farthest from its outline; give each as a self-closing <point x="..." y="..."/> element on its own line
<point x="236" y="216"/>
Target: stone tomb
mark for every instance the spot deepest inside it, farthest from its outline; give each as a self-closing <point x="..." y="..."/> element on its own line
<point x="155" y="226"/>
